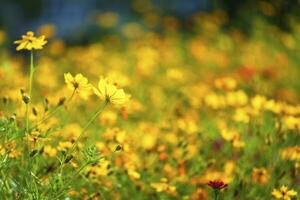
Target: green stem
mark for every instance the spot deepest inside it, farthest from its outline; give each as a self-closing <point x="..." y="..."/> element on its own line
<point x="72" y="178"/>
<point x="216" y="194"/>
<point x="92" y="119"/>
<point x="31" y="71"/>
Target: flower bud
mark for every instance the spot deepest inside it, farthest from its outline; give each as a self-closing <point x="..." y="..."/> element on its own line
<point x="61" y="101"/>
<point x="34" y="111"/>
<point x="68" y="159"/>
<point x="12" y="118"/>
<point x="5" y="100"/>
<point x="118" y="148"/>
<point x="26" y="99"/>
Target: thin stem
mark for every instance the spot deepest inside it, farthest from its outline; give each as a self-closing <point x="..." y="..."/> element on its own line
<point x="216" y="194"/>
<point x="92" y="119"/>
<point x="72" y="178"/>
<point x="31" y="71"/>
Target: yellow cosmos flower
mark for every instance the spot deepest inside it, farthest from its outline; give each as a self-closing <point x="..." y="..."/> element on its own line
<point x="284" y="193"/>
<point x="30" y="42"/>
<point x="79" y="84"/>
<point x="109" y="92"/>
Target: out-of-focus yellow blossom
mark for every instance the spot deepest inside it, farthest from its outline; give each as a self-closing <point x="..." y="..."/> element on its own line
<point x="108" y="117"/>
<point x="267" y="8"/>
<point x="30" y="42"/>
<point x="57" y="47"/>
<point x="291" y="122"/>
<point x="199" y="50"/>
<point x="241" y="115"/>
<point x="49" y="151"/>
<point x="15" y="153"/>
<point x="163" y="186"/>
<point x="78" y="84"/>
<point x="258" y="102"/>
<point x="132" y="30"/>
<point x="12" y="149"/>
<point x="288" y="40"/>
<point x="291" y="153"/>
<point x="231" y="135"/>
<point x="226" y="83"/>
<point x="175" y="75"/>
<point x="102" y="168"/>
<point x="170" y="170"/>
<point x="273" y="106"/>
<point x="111" y="133"/>
<point x="289" y="109"/>
<point x="73" y="193"/>
<point x="48" y="30"/>
<point x="134" y="106"/>
<point x="2" y="37"/>
<point x="12" y="94"/>
<point x="107" y="19"/>
<point x="64" y="146"/>
<point x="157" y="96"/>
<point x="70" y="131"/>
<point x="236" y="98"/>
<point x="149" y="140"/>
<point x="171" y="138"/>
<point x="200" y="194"/>
<point x="170" y="23"/>
<point x="187" y="125"/>
<point x="2" y="150"/>
<point x="284" y="193"/>
<point x="36" y="137"/>
<point x="227" y="174"/>
<point x="238" y="142"/>
<point x="215" y="101"/>
<point x="110" y="93"/>
<point x="133" y="174"/>
<point x="102" y="147"/>
<point x="76" y="193"/>
<point x="229" y="167"/>
<point x="226" y="133"/>
<point x="260" y="175"/>
<point x="47" y="76"/>
<point x="147" y="60"/>
<point x="148" y="135"/>
<point x="121" y="136"/>
<point x="48" y="124"/>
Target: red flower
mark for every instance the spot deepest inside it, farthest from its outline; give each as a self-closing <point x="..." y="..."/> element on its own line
<point x="218" y="185"/>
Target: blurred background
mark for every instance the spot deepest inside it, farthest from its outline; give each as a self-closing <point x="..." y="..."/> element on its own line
<point x="82" y="21"/>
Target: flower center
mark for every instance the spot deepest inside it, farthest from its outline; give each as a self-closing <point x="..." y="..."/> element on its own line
<point x="75" y="84"/>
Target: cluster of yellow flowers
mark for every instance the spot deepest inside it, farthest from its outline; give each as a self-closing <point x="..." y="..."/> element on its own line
<point x="105" y="90"/>
<point x="291" y="153"/>
<point x="184" y="126"/>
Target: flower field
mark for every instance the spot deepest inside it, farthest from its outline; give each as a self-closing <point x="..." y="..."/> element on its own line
<point x="142" y="114"/>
